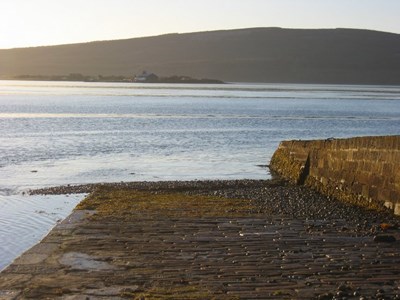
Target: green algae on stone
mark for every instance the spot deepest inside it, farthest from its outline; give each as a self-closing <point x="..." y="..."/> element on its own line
<point x="125" y="203"/>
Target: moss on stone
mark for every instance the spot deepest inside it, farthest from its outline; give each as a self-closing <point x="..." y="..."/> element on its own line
<point x="346" y="196"/>
<point x="286" y="165"/>
<point x="125" y="203"/>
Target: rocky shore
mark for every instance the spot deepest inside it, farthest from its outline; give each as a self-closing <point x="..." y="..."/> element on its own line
<point x="239" y="239"/>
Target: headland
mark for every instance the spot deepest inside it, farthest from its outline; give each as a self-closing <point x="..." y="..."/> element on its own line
<point x="270" y="55"/>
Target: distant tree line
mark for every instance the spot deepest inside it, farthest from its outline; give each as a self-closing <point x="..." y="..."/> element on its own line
<point x="75" y="77"/>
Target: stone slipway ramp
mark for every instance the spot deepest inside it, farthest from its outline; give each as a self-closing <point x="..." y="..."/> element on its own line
<point x="129" y="244"/>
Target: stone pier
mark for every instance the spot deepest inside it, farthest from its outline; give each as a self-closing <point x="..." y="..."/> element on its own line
<point x="362" y="170"/>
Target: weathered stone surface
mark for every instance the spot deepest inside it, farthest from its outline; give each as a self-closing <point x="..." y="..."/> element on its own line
<point x="82" y="261"/>
<point x="30" y="258"/>
<point x="8" y="295"/>
<point x="384" y="238"/>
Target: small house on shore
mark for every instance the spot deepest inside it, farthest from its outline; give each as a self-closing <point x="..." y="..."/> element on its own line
<point x="145" y="77"/>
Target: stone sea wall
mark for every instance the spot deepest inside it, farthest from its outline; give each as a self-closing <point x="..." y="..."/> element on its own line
<point x="361" y="170"/>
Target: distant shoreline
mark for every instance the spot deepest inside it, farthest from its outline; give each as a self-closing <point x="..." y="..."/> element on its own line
<point x="201" y="81"/>
<point x="112" y="78"/>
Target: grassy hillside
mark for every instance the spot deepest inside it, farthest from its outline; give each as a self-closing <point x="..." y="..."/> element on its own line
<point x="248" y="55"/>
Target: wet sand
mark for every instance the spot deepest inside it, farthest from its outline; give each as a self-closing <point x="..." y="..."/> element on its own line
<point x="242" y="239"/>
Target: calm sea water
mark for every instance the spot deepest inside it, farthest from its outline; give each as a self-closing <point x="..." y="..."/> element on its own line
<point x="54" y="133"/>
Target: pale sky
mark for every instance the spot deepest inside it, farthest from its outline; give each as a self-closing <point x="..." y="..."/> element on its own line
<point x="26" y="23"/>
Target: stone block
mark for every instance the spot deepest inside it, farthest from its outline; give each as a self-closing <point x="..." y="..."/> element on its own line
<point x="376" y="180"/>
<point x="373" y="192"/>
<point x="387" y="168"/>
<point x="323" y="172"/>
<point x="365" y="191"/>
<point x="366" y="166"/>
<point x="363" y="177"/>
<point x="324" y="181"/>
<point x="395" y="196"/>
<point x="384" y="195"/>
<point x="348" y="176"/>
<point x="321" y="163"/>
<point x="397" y="209"/>
<point x="358" y="154"/>
<point x="357" y="188"/>
<point x="372" y="155"/>
<point x="349" y="155"/>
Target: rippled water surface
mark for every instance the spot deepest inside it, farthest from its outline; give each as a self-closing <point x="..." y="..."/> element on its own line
<point x="67" y="132"/>
<point x="25" y="220"/>
<point x="54" y="133"/>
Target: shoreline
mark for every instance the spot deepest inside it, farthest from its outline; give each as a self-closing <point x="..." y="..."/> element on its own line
<point x="161" y="185"/>
<point x="275" y="196"/>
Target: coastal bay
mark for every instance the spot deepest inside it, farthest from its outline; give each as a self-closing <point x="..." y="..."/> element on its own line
<point x="199" y="150"/>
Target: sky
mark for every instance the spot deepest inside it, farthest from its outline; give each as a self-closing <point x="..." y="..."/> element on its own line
<point x="27" y="23"/>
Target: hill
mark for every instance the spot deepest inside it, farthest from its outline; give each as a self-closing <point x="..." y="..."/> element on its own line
<point x="349" y="56"/>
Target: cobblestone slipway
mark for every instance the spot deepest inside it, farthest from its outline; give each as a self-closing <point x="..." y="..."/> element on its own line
<point x="208" y="241"/>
